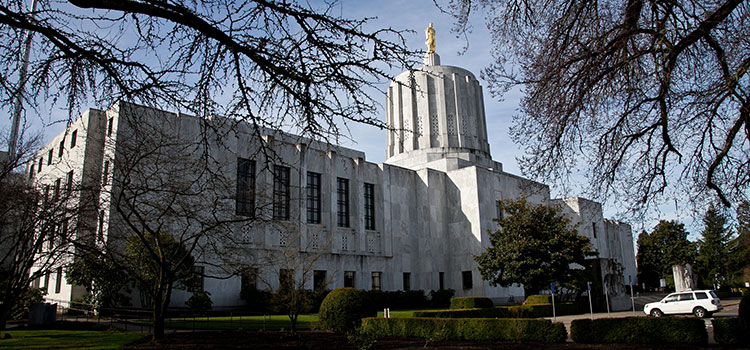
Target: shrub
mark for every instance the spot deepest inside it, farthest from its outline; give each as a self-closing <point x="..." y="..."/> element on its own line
<point x="731" y="331"/>
<point x="471" y="302"/>
<point x="508" y="329"/>
<point x="413" y="299"/>
<point x="538" y="300"/>
<point x="343" y="308"/>
<point x="640" y="330"/>
<point x="200" y="302"/>
<point x="517" y="311"/>
<point x="20" y="309"/>
<point x="441" y="298"/>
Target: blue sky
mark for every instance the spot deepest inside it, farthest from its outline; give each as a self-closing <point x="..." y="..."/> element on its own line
<point x="415" y="15"/>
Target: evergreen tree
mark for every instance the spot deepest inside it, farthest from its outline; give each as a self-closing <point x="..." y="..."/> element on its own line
<point x="648" y="268"/>
<point x="665" y="246"/>
<point x="740" y="247"/>
<point x="712" y="262"/>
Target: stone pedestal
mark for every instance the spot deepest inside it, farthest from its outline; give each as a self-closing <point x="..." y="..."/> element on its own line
<point x="684" y="279"/>
<point x="431" y="59"/>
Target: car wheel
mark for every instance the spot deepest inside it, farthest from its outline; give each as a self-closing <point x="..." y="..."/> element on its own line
<point x="656" y="313"/>
<point x="700" y="312"/>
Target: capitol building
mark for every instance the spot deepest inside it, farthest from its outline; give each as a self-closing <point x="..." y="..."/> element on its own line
<point x="414" y="222"/>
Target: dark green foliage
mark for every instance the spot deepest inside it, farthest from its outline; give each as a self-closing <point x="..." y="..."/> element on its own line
<point x="712" y="261"/>
<point x="731" y="331"/>
<point x="640" y="330"/>
<point x="468" y="329"/>
<point x="257" y="300"/>
<point x="107" y="283"/>
<point x="665" y="246"/>
<point x="20" y="310"/>
<point x="441" y="298"/>
<point x="534" y="245"/>
<point x="200" y="302"/>
<point x="411" y="299"/>
<point x="343" y="308"/>
<point x="517" y="311"/>
<point x="744" y="310"/>
<point x="471" y="303"/>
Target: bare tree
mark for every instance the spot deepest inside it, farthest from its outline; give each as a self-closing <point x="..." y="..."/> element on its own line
<point x="649" y="99"/>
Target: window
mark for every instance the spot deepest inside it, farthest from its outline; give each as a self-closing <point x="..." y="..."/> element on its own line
<point x="245" y="203"/>
<point x="349" y="279"/>
<point x="31" y="171"/>
<point x="73" y="138"/>
<point x="62" y="147"/>
<point x="105" y="176"/>
<point x="69" y="186"/>
<point x="199" y="282"/>
<point x="249" y="279"/>
<point x="441" y="280"/>
<point x="280" y="192"/>
<point x="407" y="281"/>
<point x="685" y="296"/>
<point x="593" y="228"/>
<point x="109" y="127"/>
<point x="701" y="295"/>
<point x="467" y="282"/>
<point x="376" y="280"/>
<point x="319" y="280"/>
<point x="342" y="201"/>
<point x="57" y="189"/>
<point x="286" y="279"/>
<point x="313" y="198"/>
<point x="498" y="210"/>
<point x="41" y="160"/>
<point x="369" y="206"/>
<point x="58" y="280"/>
<point x="46" y="193"/>
<point x="45" y="286"/>
<point x="101" y="226"/>
<point x="49" y="157"/>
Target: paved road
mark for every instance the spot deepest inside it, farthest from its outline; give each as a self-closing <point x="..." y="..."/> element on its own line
<point x="731" y="309"/>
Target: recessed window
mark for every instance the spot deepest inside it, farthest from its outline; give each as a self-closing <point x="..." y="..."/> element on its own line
<point x="249" y="279"/>
<point x="369" y="206"/>
<point x="69" y="186"/>
<point x="593" y="228"/>
<point x="467" y="282"/>
<point x="41" y="160"/>
<point x="376" y="280"/>
<point x="57" y="189"/>
<point x="109" y="126"/>
<point x="286" y="279"/>
<point x="49" y="157"/>
<point x="245" y="196"/>
<point x="58" y="282"/>
<point x="105" y="175"/>
<point x="45" y="285"/>
<point x="73" y="138"/>
<point x="349" y="279"/>
<point x="342" y="202"/>
<point x="319" y="280"/>
<point x="441" y="279"/>
<point x="498" y="210"/>
<point x="280" y="192"/>
<point x="313" y="198"/>
<point x="61" y="149"/>
<point x="407" y="281"/>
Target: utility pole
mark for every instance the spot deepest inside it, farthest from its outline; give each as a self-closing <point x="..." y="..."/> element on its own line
<point x="18" y="103"/>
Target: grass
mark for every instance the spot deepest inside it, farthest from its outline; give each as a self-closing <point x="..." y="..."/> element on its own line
<point x="68" y="339"/>
<point x="405" y="313"/>
<point x="268" y="322"/>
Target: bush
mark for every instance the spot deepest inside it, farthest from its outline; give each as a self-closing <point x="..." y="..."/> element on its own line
<point x="471" y="303"/>
<point x="20" y="310"/>
<point x="731" y="331"/>
<point x="200" y="302"/>
<point x="468" y="329"/>
<point x="441" y="298"/>
<point x="640" y="330"/>
<point x="517" y="311"/>
<point x="538" y="300"/>
<point x="412" y="299"/>
<point x="343" y="308"/>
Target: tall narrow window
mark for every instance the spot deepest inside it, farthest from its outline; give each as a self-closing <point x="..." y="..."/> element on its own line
<point x="69" y="185"/>
<point x="101" y="226"/>
<point x="342" y="201"/>
<point x="58" y="282"/>
<point x="249" y="280"/>
<point x="407" y="281"/>
<point x="46" y="193"/>
<point x="286" y="279"/>
<point x="245" y="202"/>
<point x="105" y="175"/>
<point x="61" y="149"/>
<point x="467" y="281"/>
<point x="109" y="127"/>
<point x="280" y="192"/>
<point x="349" y="279"/>
<point x="31" y="171"/>
<point x="313" y="198"/>
<point x="45" y="286"/>
<point x="49" y="157"/>
<point x="593" y="228"/>
<point x="41" y="160"/>
<point x="73" y="138"/>
<point x="441" y="280"/>
<point x="57" y="189"/>
<point x="376" y="280"/>
<point x="319" y="280"/>
<point x="498" y="210"/>
<point x="369" y="206"/>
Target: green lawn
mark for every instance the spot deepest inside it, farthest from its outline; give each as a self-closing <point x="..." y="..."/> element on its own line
<point x="68" y="339"/>
<point x="405" y="313"/>
<point x="269" y="322"/>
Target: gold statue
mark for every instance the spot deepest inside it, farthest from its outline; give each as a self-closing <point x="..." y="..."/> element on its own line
<point x="430" y="34"/>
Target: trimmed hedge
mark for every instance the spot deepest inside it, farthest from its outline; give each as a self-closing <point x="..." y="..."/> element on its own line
<point x="538" y="300"/>
<point x="731" y="331"/>
<point x="471" y="303"/>
<point x="640" y="330"/>
<point x="468" y="329"/>
<point x="343" y="308"/>
<point x="518" y="311"/>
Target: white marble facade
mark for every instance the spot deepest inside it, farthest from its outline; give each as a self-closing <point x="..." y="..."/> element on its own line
<point x="434" y="199"/>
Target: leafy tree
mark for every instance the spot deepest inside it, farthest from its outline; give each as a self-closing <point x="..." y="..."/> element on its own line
<point x="648" y="264"/>
<point x="106" y="282"/>
<point x="740" y="247"/>
<point x="712" y="261"/>
<point x="665" y="246"/>
<point x="630" y="91"/>
<point x="535" y="245"/>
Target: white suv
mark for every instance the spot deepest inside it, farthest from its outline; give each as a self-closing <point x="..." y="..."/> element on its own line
<point x="701" y="303"/>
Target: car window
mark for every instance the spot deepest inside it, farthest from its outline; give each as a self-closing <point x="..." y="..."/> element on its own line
<point x="713" y="295"/>
<point x="670" y="298"/>
<point x="685" y="296"/>
<point x="701" y="295"/>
